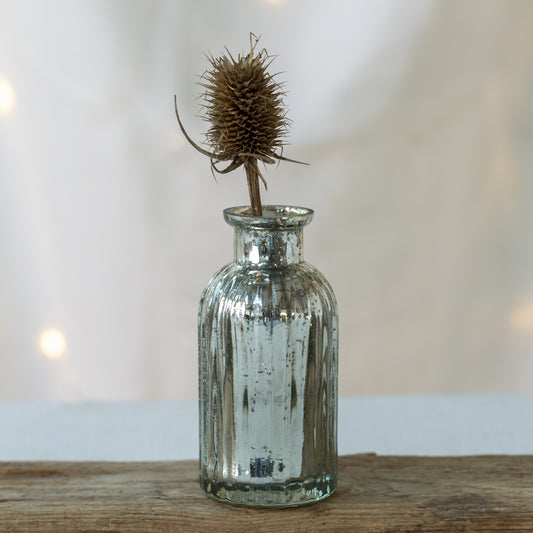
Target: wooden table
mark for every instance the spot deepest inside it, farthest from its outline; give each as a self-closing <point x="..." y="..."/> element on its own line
<point x="391" y="494"/>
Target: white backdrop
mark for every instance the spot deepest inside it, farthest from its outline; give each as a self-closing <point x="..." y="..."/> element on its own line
<point x="415" y="116"/>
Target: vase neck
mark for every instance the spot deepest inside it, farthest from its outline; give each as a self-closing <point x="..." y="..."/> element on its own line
<point x="274" y="240"/>
<point x="269" y="248"/>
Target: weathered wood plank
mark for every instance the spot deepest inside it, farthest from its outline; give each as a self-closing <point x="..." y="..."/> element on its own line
<point x="375" y="494"/>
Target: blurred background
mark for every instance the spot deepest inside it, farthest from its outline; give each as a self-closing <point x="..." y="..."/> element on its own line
<point x="416" y="117"/>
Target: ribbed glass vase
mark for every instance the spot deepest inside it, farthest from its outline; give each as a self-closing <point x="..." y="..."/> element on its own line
<point x="268" y="344"/>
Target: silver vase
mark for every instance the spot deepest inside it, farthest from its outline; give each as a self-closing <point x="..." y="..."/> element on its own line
<point x="268" y="345"/>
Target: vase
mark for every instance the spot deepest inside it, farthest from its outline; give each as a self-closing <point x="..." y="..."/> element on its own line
<point x="268" y="345"/>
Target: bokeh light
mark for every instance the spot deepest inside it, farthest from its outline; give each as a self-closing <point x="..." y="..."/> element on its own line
<point x="52" y="343"/>
<point x="174" y="142"/>
<point x="7" y="97"/>
<point x="521" y="317"/>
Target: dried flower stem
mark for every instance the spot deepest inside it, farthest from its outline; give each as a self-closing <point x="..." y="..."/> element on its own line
<point x="252" y="177"/>
<point x="248" y="121"/>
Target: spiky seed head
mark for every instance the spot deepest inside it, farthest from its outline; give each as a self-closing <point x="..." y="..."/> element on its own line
<point x="244" y="105"/>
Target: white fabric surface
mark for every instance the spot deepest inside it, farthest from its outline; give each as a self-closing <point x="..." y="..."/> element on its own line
<point x="415" y="117"/>
<point x="167" y="430"/>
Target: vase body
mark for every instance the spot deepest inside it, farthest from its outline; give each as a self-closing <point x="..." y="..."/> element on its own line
<point x="268" y="344"/>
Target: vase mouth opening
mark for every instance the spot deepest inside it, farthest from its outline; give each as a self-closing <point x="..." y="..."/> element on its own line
<point x="274" y="217"/>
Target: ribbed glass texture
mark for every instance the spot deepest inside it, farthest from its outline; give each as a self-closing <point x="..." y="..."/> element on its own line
<point x="268" y="344"/>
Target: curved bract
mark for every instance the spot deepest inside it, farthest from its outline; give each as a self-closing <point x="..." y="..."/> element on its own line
<point x="268" y="344"/>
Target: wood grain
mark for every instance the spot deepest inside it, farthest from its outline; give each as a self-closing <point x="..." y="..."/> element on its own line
<point x="375" y="494"/>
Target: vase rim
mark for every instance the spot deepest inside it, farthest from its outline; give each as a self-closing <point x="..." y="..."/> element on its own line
<point x="274" y="217"/>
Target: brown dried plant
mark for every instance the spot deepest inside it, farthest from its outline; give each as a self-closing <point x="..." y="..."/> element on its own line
<point x="244" y="105"/>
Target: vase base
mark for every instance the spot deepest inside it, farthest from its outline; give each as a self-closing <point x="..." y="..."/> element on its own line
<point x="290" y="494"/>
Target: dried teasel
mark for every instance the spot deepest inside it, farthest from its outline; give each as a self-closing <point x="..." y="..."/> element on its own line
<point x="244" y="105"/>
